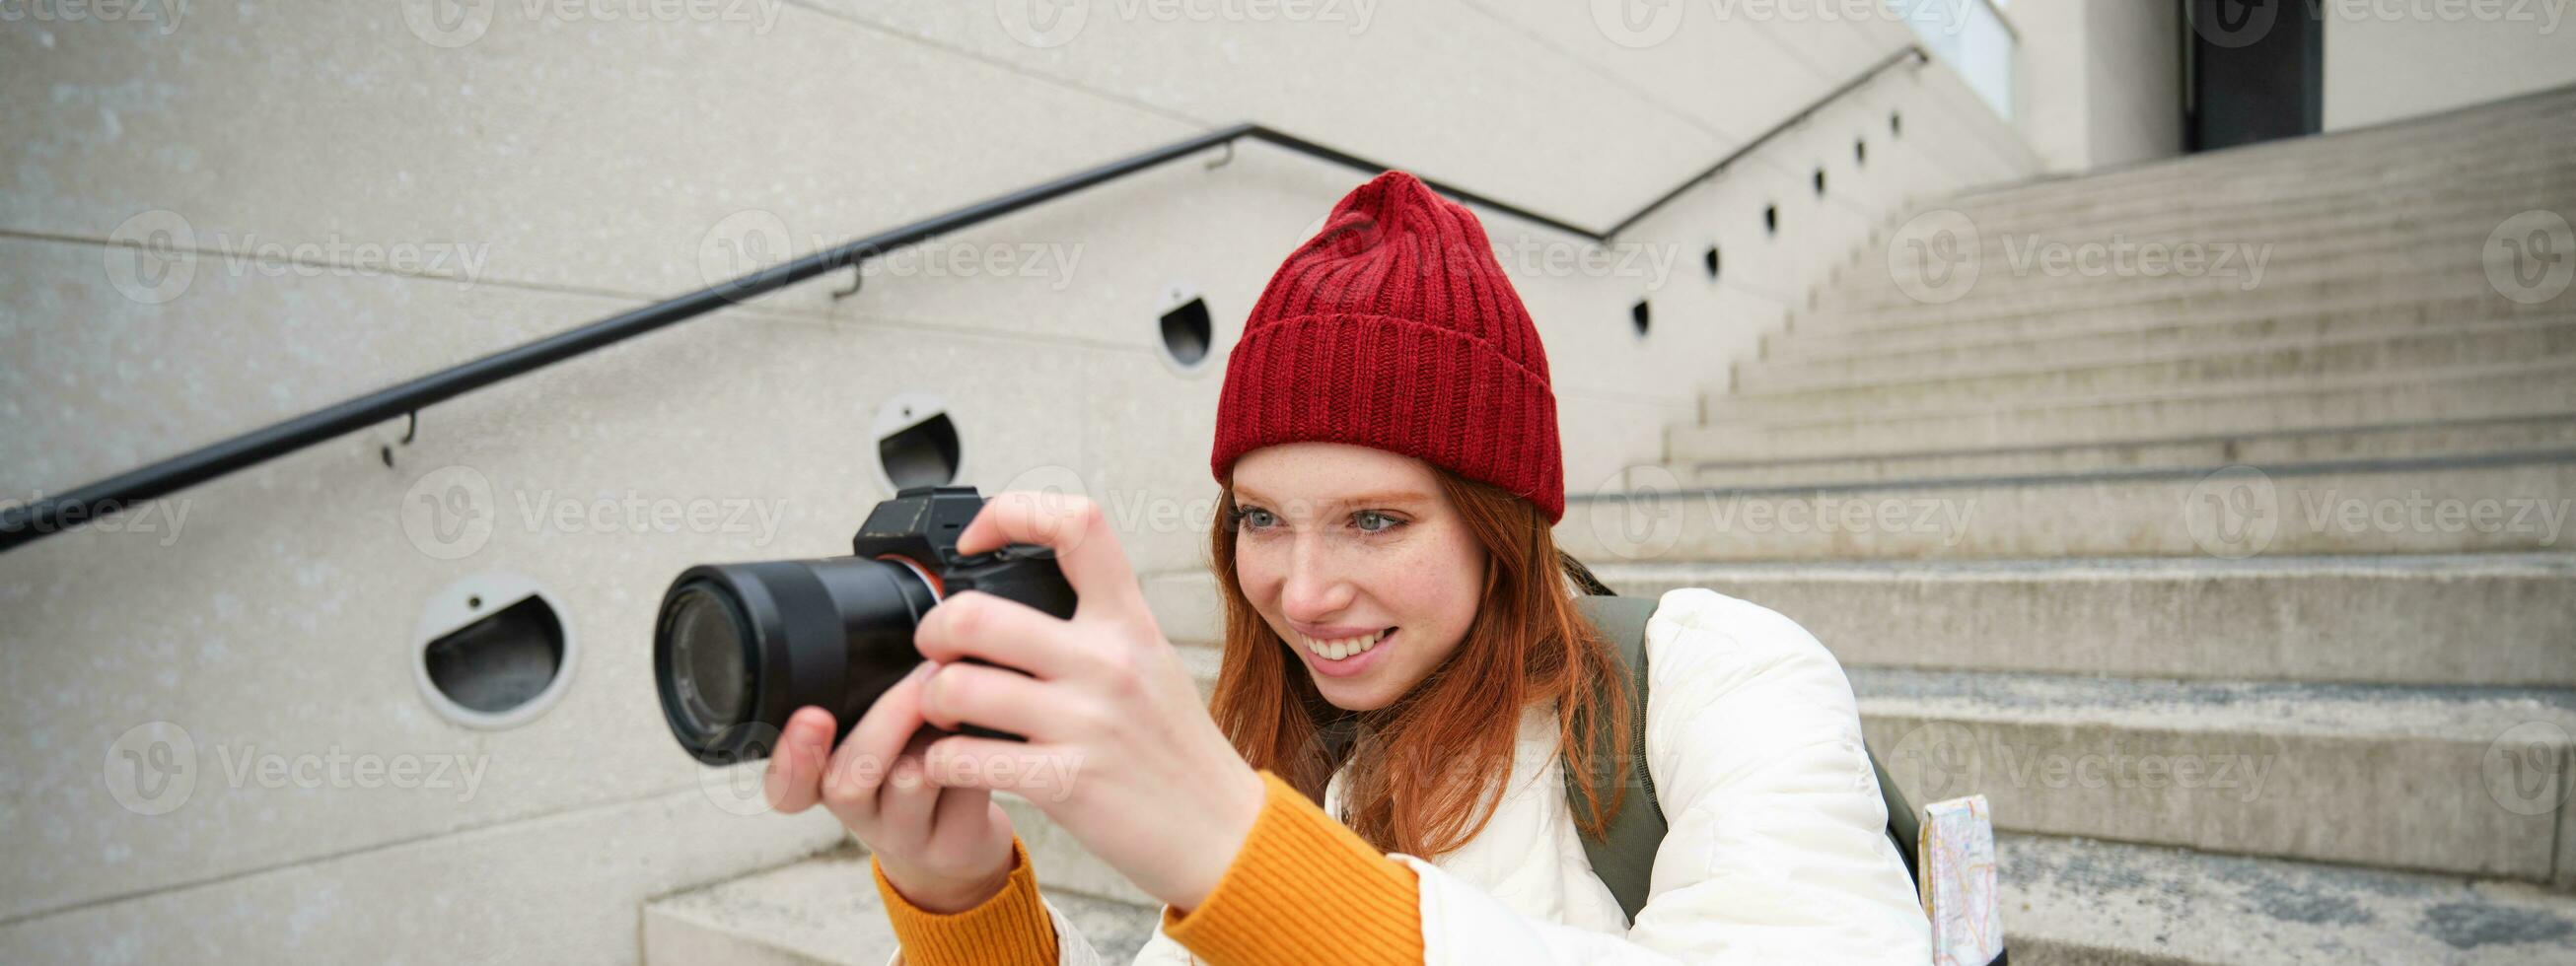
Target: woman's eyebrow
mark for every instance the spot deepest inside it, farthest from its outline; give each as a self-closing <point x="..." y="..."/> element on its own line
<point x="1381" y="499"/>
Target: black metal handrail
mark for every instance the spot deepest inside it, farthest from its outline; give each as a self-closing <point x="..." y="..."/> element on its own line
<point x="43" y="516"/>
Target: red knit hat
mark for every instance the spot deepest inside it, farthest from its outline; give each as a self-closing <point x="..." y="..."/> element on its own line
<point x="1394" y="328"/>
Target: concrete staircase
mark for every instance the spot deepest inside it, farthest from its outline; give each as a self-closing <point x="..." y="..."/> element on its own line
<point x="2250" y="605"/>
<point x="2086" y="544"/>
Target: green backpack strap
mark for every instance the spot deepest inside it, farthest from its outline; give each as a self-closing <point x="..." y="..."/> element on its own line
<point x="1625" y="859"/>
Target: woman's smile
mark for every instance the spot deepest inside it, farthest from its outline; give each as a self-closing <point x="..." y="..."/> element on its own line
<point x="1346" y="657"/>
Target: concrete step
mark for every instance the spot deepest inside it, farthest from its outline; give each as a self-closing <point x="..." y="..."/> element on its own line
<point x="2496" y="620"/>
<point x="2307" y="168"/>
<point x="2163" y="322"/>
<point x="2238" y="291"/>
<point x="2534" y="170"/>
<point x="2308" y="214"/>
<point x="2428" y="779"/>
<point x="2023" y="267"/>
<point x="2503" y="503"/>
<point x="2491" y="344"/>
<point x="826" y="910"/>
<point x="2456" y="393"/>
<point x="2205" y="453"/>
<point x="2083" y="348"/>
<point x="2415" y="142"/>
<point x="2085" y="902"/>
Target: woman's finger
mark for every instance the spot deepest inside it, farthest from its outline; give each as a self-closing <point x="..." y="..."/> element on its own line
<point x="997" y="698"/>
<point x="961" y="810"/>
<point x="1000" y="630"/>
<point x="1038" y="772"/>
<point x="793" y="782"/>
<point x="905" y="801"/>
<point x="1086" y="548"/>
<point x="858" y="767"/>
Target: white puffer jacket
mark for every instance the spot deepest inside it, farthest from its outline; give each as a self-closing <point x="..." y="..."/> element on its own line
<point x="1777" y="851"/>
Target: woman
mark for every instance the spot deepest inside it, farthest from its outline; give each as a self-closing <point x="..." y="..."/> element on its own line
<point x="1402" y="646"/>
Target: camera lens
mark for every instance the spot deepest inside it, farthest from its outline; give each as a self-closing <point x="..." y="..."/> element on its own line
<point x="710" y="658"/>
<point x="739" y="647"/>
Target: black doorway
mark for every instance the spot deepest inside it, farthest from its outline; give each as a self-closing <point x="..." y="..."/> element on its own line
<point x="2253" y="70"/>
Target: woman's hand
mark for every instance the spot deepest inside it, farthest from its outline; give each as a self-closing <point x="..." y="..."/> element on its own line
<point x="1121" y="751"/>
<point x="946" y="849"/>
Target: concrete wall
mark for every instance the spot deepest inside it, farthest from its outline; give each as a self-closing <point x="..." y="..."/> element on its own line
<point x="2101" y="81"/>
<point x="343" y="195"/>
<point x="2390" y="60"/>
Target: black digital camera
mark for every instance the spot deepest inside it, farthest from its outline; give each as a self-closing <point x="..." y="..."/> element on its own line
<point x="739" y="647"/>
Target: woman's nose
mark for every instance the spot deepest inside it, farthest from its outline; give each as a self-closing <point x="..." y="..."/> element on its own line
<point x="1314" y="591"/>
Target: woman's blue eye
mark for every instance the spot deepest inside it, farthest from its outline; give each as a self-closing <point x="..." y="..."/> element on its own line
<point x="1364" y="515"/>
<point x="1248" y="516"/>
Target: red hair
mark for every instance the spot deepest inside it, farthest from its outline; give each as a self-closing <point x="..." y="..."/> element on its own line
<point x="1423" y="770"/>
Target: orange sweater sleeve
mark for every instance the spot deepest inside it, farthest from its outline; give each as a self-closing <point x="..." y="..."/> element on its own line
<point x="1305" y="889"/>
<point x="1010" y="929"/>
<point x="1298" y="868"/>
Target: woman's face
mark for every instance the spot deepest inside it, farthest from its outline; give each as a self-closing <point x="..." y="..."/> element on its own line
<point x="1335" y="543"/>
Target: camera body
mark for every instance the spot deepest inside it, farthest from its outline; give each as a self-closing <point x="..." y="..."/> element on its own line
<point x="739" y="647"/>
<point x="921" y="524"/>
